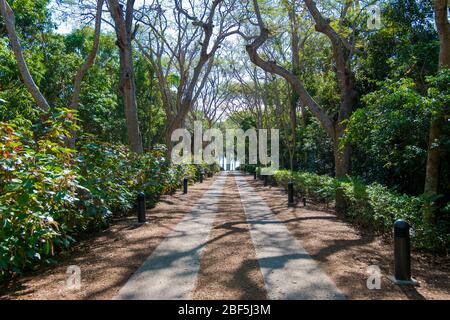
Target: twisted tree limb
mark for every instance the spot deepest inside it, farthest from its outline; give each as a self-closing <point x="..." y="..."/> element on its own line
<point x="10" y="21"/>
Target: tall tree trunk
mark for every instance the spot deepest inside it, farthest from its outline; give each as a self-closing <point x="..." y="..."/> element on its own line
<point x="342" y="153"/>
<point x="125" y="34"/>
<point x="304" y="124"/>
<point x="89" y="60"/>
<point x="443" y="27"/>
<point x="128" y="89"/>
<point x="341" y="156"/>
<point x="176" y="121"/>
<point x="168" y="140"/>
<point x="434" y="149"/>
<point x="295" y="61"/>
<point x="10" y="21"/>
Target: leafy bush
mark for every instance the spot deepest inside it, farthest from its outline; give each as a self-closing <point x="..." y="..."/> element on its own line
<point x="247" y="167"/>
<point x="317" y="187"/>
<point x="40" y="194"/>
<point x="50" y="193"/>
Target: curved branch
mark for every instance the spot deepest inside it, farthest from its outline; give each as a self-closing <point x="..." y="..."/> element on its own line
<point x="90" y="59"/>
<point x="10" y="21"/>
<point x="296" y="83"/>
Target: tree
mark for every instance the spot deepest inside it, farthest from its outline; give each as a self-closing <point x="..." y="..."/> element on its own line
<point x="126" y="32"/>
<point x="39" y="98"/>
<point x="211" y="102"/>
<point x="89" y="60"/>
<point x="183" y="60"/>
<point x="296" y="45"/>
<point x="251" y="93"/>
<point x="342" y="52"/>
<point x="10" y="21"/>
<point x="438" y="119"/>
<point x="85" y="66"/>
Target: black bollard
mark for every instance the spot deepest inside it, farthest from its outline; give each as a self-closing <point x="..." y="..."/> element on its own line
<point x="141" y="207"/>
<point x="291" y="194"/>
<point x="304" y="201"/>
<point x="185" y="185"/>
<point x="201" y="177"/>
<point x="254" y="175"/>
<point x="265" y="180"/>
<point x="402" y="254"/>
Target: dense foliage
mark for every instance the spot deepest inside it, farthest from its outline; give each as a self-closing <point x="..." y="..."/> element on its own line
<point x="377" y="132"/>
<point x="372" y="206"/>
<point x="49" y="193"/>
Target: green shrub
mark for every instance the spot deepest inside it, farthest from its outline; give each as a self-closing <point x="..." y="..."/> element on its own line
<point x="250" y="168"/>
<point x="372" y="206"/>
<point x="41" y="199"/>
<point x="319" y="188"/>
<point x="49" y="193"/>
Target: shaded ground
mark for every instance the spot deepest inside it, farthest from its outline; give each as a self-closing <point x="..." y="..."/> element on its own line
<point x="345" y="253"/>
<point x="108" y="259"/>
<point x="228" y="267"/>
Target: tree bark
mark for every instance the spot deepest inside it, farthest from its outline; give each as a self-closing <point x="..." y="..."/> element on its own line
<point x="295" y="61"/>
<point x="443" y="28"/>
<point x="125" y="34"/>
<point x="27" y="79"/>
<point x="434" y="149"/>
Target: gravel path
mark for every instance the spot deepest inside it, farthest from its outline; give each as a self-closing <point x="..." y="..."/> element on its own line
<point x="345" y="252"/>
<point x="108" y="258"/>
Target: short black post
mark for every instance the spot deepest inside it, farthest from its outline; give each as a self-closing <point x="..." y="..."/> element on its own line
<point x="402" y="254"/>
<point x="141" y="207"/>
<point x="304" y="201"/>
<point x="185" y="185"/>
<point x="201" y="177"/>
<point x="402" y="250"/>
<point x="265" y="180"/>
<point x="291" y="194"/>
<point x="254" y="175"/>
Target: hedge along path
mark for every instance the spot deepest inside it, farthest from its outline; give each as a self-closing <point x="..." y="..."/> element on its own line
<point x="108" y="258"/>
<point x="288" y="270"/>
<point x="171" y="270"/>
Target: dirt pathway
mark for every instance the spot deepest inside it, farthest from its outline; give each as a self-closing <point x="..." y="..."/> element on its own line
<point x="229" y="268"/>
<point x="235" y="241"/>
